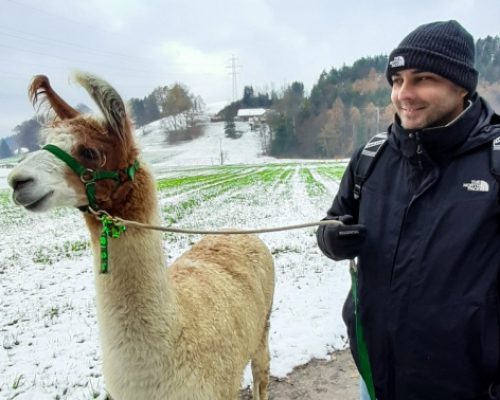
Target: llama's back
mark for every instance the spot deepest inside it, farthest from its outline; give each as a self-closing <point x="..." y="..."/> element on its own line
<point x="224" y="287"/>
<point x="241" y="263"/>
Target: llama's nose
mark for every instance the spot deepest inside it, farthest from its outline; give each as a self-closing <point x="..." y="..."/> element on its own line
<point x="18" y="182"/>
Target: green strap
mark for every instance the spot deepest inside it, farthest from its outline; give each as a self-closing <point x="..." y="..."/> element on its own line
<point x="62" y="155"/>
<point x="86" y="174"/>
<point x="98" y="175"/>
<point x="363" y="358"/>
<point x="90" y="189"/>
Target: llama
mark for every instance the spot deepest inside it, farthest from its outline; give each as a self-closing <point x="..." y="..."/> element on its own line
<point x="181" y="332"/>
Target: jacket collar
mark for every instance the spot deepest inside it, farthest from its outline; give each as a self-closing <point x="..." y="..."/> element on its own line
<point x="459" y="135"/>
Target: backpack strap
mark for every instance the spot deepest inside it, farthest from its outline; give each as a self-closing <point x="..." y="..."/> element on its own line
<point x="366" y="161"/>
<point x="364" y="166"/>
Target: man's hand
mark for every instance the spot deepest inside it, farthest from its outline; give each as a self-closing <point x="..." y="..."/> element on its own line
<point x="344" y="241"/>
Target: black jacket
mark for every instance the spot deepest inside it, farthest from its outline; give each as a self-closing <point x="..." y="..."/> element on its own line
<point x="429" y="266"/>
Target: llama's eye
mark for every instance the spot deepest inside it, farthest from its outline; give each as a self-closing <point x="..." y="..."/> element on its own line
<point x="89" y="154"/>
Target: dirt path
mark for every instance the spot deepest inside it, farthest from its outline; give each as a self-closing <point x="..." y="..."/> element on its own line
<point x="334" y="379"/>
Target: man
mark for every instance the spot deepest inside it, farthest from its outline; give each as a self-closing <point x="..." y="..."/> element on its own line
<point x="425" y="229"/>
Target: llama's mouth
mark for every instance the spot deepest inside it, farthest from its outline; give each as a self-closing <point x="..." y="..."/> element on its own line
<point x="37" y="203"/>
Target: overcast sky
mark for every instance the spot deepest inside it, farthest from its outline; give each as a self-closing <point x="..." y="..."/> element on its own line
<point x="137" y="45"/>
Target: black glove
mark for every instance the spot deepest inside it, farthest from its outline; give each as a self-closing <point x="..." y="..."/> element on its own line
<point x="340" y="242"/>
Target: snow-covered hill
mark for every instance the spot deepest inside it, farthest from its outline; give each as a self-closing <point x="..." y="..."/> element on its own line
<point x="205" y="150"/>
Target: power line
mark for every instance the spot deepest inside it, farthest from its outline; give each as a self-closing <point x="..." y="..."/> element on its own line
<point x="42" y="40"/>
<point x="234" y="72"/>
<point x="41" y="53"/>
<point x="37" y="39"/>
<point x="118" y="66"/>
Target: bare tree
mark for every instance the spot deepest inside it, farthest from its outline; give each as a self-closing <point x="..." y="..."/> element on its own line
<point x="178" y="102"/>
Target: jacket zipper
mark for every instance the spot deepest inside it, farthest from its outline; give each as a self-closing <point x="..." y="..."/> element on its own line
<point x="414" y="136"/>
<point x="419" y="150"/>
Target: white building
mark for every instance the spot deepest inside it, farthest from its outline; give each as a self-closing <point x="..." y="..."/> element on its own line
<point x="245" y="114"/>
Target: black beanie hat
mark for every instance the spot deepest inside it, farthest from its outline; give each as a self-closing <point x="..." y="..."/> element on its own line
<point x="444" y="48"/>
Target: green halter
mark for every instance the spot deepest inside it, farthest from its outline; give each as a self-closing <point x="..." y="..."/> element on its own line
<point x="89" y="177"/>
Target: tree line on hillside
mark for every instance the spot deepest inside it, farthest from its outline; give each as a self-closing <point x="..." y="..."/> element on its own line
<point x="175" y="101"/>
<point x="347" y="106"/>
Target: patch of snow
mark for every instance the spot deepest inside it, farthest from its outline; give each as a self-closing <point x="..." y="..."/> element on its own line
<point x="4" y="172"/>
<point x="209" y="149"/>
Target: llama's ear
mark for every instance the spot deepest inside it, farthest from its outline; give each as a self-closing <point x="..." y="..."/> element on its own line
<point x="40" y="86"/>
<point x="110" y="103"/>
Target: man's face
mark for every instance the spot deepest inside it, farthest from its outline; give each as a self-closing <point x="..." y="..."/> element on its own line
<point x="424" y="99"/>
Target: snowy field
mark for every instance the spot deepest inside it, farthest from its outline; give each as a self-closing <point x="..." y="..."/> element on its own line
<point x="48" y="330"/>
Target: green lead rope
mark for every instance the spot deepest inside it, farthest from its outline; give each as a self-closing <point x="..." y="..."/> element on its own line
<point x="364" y="360"/>
<point x="110" y="229"/>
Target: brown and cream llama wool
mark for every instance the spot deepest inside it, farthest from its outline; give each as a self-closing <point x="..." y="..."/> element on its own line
<point x="179" y="332"/>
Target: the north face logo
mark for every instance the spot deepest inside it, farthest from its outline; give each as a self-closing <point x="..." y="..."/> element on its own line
<point x="477" y="186"/>
<point x="397" y="62"/>
<point x="496" y="144"/>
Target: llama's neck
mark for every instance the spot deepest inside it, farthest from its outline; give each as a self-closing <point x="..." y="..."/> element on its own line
<point x="136" y="293"/>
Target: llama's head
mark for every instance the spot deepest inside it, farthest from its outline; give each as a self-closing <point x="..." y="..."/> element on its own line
<point x="87" y="161"/>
